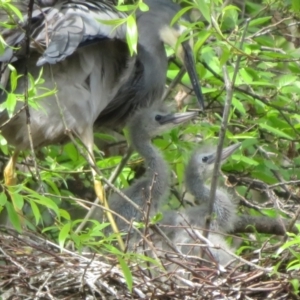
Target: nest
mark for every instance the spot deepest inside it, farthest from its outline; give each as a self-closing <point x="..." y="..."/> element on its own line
<point x="32" y="267"/>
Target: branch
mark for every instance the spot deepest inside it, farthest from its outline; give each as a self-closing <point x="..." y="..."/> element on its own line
<point x="229" y="89"/>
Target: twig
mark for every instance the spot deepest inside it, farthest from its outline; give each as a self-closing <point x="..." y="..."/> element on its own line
<point x="253" y="95"/>
<point x="229" y="88"/>
<point x="174" y="82"/>
<point x="27" y="112"/>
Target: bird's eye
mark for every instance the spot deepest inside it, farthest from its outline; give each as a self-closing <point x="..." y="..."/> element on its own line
<point x="158" y="118"/>
<point x="205" y="159"/>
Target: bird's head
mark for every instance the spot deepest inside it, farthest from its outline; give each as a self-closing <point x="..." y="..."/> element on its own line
<point x="149" y="122"/>
<point x="205" y="159"/>
<point x="159" y="18"/>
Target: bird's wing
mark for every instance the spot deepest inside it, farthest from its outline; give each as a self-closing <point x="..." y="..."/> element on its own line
<point x="59" y="30"/>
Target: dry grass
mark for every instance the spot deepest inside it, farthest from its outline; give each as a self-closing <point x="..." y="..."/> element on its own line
<point x="34" y="268"/>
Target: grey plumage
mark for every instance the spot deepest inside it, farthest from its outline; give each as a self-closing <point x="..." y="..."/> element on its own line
<point x="82" y="92"/>
<point x="88" y="62"/>
<point x="154" y="185"/>
<point x="198" y="171"/>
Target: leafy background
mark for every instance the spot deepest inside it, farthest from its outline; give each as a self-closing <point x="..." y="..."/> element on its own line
<point x="257" y="40"/>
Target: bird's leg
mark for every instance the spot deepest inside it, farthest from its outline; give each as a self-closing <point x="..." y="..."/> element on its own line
<point x="100" y="193"/>
<point x="88" y="141"/>
<point x="9" y="171"/>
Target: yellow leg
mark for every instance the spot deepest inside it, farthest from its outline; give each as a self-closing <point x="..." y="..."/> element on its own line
<point x="88" y="141"/>
<point x="99" y="190"/>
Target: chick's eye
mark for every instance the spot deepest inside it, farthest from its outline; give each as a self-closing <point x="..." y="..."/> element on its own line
<point x="158" y="117"/>
<point x="205" y="159"/>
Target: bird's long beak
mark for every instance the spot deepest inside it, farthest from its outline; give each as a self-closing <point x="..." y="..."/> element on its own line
<point x="190" y="65"/>
<point x="177" y="118"/>
<point x="226" y="152"/>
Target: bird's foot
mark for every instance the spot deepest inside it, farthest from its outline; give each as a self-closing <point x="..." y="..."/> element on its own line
<point x="100" y="193"/>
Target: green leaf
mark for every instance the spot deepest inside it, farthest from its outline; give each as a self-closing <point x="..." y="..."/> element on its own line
<point x="18" y="201"/>
<point x="296" y="5"/>
<point x="2" y="48"/>
<point x="157" y="218"/>
<point x="64" y="234"/>
<point x="263" y="83"/>
<point x="52" y="184"/>
<point x="239" y="106"/>
<point x="229" y="18"/>
<point x="202" y="37"/>
<point x="131" y="34"/>
<point x="13" y="216"/>
<point x="3" y="199"/>
<point x="42" y="200"/>
<point x="259" y="21"/>
<point x="72" y="151"/>
<point x="243" y="136"/>
<point x="13" y="78"/>
<point x="287" y="80"/>
<point x="271" y="165"/>
<point x="143" y="6"/>
<point x="180" y="172"/>
<point x="246" y="77"/>
<point x="114" y="22"/>
<point x="275" y="131"/>
<point x="126" y="272"/>
<point x="272" y="213"/>
<point x="36" y="211"/>
<point x="204" y="9"/>
<point x="105" y="137"/>
<point x="295" y="282"/>
<point x="246" y="159"/>
<point x="15" y="10"/>
<point x="11" y="102"/>
<point x="180" y="14"/>
<point x="39" y="79"/>
<point x="289" y="244"/>
<point x="64" y="214"/>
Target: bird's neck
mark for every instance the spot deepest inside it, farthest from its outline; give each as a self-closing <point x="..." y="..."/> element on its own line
<point x="224" y="208"/>
<point x="195" y="183"/>
<point x="157" y="173"/>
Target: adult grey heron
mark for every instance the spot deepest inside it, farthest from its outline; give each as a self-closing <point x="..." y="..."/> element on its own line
<point x="153" y="187"/>
<point x="198" y="171"/>
<point x="88" y="62"/>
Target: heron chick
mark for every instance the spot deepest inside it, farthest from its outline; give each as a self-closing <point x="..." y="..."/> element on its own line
<point x="199" y="169"/>
<point x="153" y="187"/>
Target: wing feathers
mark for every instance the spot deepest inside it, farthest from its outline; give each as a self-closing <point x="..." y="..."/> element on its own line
<point x="63" y="28"/>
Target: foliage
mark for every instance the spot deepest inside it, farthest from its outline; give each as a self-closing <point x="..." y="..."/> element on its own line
<point x="264" y="117"/>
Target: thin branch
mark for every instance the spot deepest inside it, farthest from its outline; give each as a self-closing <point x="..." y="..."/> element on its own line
<point x="14" y="116"/>
<point x="229" y="89"/>
<point x="26" y="85"/>
<point x="174" y="82"/>
<point x="253" y="95"/>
